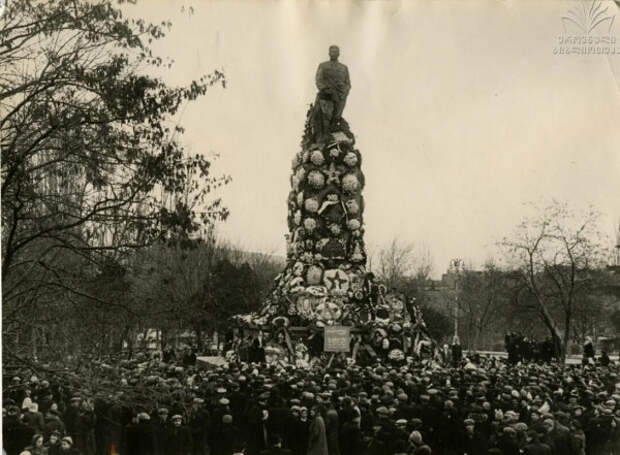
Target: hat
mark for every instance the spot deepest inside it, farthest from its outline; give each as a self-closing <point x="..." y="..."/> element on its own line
<point x="382" y="410"/>
<point x="224" y="401"/>
<point x="520" y="426"/>
<point x="67" y="439"/>
<point x="469" y="422"/>
<point x="176" y="417"/>
<point x="415" y="437"/>
<point x="401" y="422"/>
<point x="198" y="400"/>
<point x="144" y="416"/>
<point x="415" y="422"/>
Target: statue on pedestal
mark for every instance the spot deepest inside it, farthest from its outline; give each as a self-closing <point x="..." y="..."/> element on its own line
<point x="334" y="84"/>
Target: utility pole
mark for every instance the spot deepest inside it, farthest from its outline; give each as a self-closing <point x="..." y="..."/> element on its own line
<point x="456" y="265"/>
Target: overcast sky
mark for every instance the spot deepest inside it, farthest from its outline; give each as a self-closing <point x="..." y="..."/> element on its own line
<point x="461" y="111"/>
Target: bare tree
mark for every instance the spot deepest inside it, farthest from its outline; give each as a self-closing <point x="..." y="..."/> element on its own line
<point x="400" y="260"/>
<point x="482" y="295"/>
<point x="555" y="253"/>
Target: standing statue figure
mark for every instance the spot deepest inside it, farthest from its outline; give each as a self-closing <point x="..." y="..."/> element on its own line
<point x="333" y="83"/>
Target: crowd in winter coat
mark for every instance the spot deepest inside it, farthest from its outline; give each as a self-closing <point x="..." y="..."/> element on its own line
<point x="485" y="406"/>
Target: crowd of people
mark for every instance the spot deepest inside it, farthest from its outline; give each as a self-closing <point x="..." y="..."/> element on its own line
<point x="483" y="405"/>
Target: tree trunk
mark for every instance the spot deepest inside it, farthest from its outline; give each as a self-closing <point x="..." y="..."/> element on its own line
<point x="199" y="338"/>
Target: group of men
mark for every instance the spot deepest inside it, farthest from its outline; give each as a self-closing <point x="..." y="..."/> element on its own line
<point x="483" y="407"/>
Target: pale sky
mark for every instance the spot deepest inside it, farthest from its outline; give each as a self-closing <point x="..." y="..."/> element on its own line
<point x="461" y="111"/>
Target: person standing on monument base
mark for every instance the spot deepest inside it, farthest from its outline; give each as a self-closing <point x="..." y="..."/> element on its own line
<point x="333" y="82"/>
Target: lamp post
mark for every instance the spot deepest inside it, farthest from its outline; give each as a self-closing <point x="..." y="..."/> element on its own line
<point x="456" y="265"/>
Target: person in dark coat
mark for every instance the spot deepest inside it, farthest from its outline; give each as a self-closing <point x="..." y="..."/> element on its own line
<point x="275" y="446"/>
<point x="300" y="432"/>
<point x="199" y="425"/>
<point x="84" y="430"/>
<point x="228" y="435"/>
<point x="53" y="443"/>
<point x="534" y="445"/>
<point x="605" y="360"/>
<point x="15" y="434"/>
<point x="142" y="438"/>
<point x="189" y="358"/>
<point x="67" y="448"/>
<point x="352" y="442"/>
<point x="179" y="438"/>
<point x="53" y="423"/>
<point x="33" y="418"/>
<point x="508" y="442"/>
<point x="332" y="428"/>
<point x="160" y="428"/>
<point x="457" y="351"/>
<point x="472" y="442"/>
<point x="588" y="350"/>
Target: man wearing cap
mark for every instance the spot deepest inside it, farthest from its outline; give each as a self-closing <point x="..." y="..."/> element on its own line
<point x="225" y="439"/>
<point x="179" y="438"/>
<point x="258" y="426"/>
<point x="141" y="437"/>
<point x="160" y="429"/>
<point x="66" y="446"/>
<point x="199" y="424"/>
<point x="534" y="445"/>
<point x="352" y="441"/>
<point x="472" y="442"/>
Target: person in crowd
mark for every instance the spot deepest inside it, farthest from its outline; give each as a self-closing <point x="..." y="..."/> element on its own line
<point x="317" y="438"/>
<point x="179" y="439"/>
<point x="37" y="446"/>
<point x="53" y="443"/>
<point x="481" y="405"/>
<point x="53" y="423"/>
<point x="66" y="447"/>
<point x="588" y="350"/>
<point x="33" y="418"/>
<point x="275" y="447"/>
<point x="604" y="359"/>
<point x="456" y="351"/>
<point x="15" y="434"/>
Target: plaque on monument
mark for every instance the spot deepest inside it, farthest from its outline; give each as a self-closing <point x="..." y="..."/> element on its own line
<point x="337" y="339"/>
